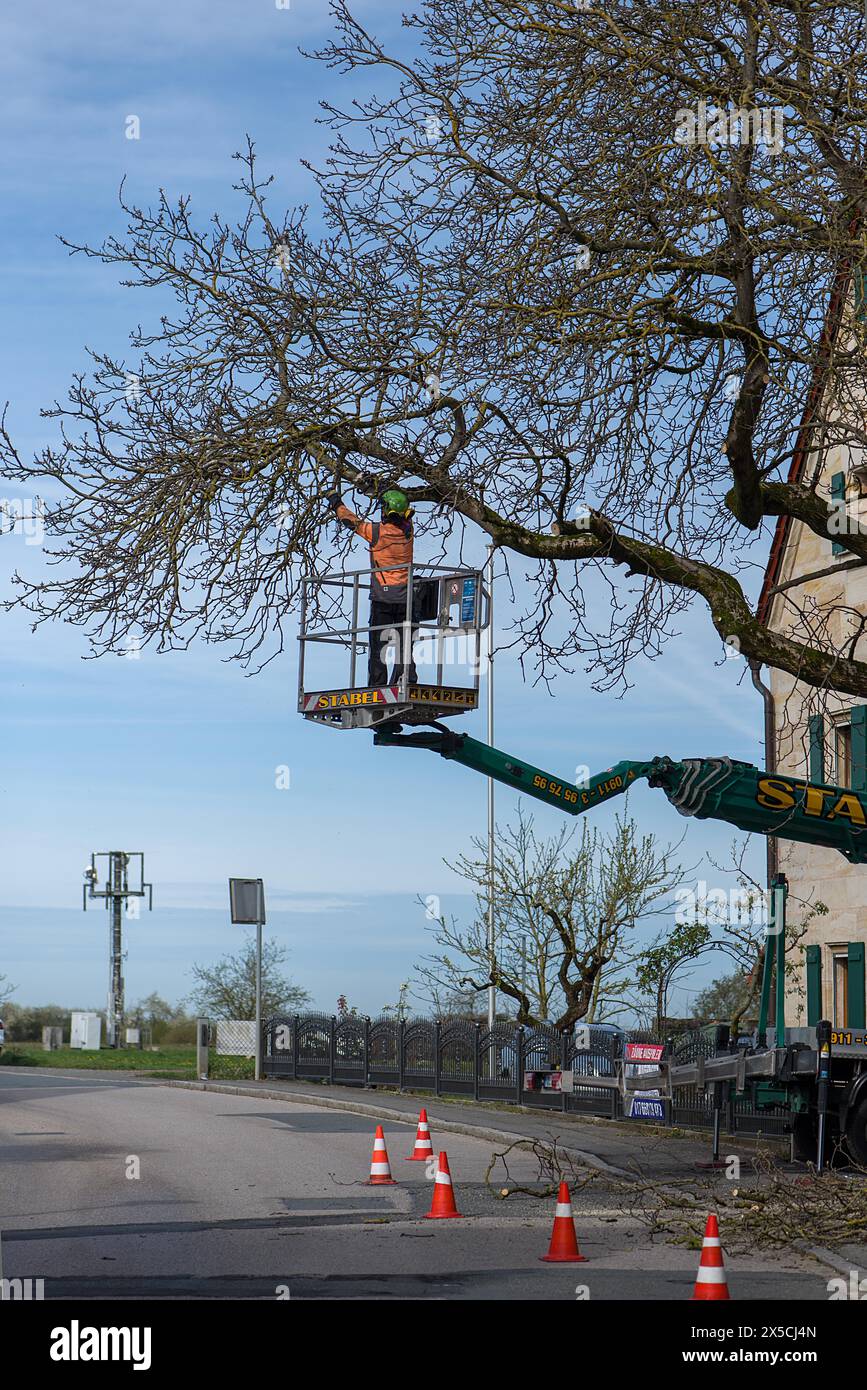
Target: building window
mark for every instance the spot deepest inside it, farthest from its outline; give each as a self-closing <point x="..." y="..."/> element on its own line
<point x="843" y="754"/>
<point x="841" y="990"/>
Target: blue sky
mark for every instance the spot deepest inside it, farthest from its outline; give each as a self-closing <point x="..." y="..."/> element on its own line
<point x="176" y="755"/>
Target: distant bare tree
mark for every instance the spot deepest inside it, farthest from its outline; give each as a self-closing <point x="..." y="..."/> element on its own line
<point x="228" y="989"/>
<point x="566" y="913"/>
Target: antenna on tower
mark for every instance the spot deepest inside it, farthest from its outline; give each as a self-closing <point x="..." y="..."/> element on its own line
<point x="116" y="876"/>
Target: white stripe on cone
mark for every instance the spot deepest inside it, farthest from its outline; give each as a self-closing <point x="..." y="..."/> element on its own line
<point x="707" y="1274"/>
<point x="444" y="1178"/>
<point x="563" y="1209"/>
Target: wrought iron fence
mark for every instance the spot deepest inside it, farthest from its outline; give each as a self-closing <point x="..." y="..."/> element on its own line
<point x="462" y="1058"/>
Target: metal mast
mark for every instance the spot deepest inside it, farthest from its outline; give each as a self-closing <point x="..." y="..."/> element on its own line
<point x="116" y="876"/>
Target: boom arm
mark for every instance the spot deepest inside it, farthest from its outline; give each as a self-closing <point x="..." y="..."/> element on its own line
<point x="708" y="788"/>
<point x="481" y="757"/>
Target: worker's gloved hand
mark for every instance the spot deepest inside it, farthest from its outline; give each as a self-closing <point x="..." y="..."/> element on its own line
<point x="333" y="499"/>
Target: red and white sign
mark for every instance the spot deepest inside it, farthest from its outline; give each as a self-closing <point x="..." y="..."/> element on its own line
<point x="349" y="699"/>
<point x="644" y="1052"/>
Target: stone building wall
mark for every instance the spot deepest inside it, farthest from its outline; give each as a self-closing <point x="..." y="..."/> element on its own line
<point x="818" y="875"/>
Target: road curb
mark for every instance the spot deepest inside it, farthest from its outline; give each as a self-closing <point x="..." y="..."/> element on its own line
<point x="826" y="1257"/>
<point x="408" y="1117"/>
<point x="750" y="1142"/>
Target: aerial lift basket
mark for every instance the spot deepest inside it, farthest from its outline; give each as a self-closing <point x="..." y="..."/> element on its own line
<point x="446" y="610"/>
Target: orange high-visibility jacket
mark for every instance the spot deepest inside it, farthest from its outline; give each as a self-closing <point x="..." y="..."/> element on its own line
<point x="390" y="553"/>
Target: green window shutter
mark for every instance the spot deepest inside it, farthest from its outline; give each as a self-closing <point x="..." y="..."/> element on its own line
<point x="838" y="494"/>
<point x="859" y="748"/>
<point x="856" y="1017"/>
<point x="858" y="292"/>
<point x="814" y="985"/>
<point x="817" y="748"/>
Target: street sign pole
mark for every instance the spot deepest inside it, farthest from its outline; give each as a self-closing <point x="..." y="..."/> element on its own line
<point x="259" y="1000"/>
<point x="247" y="907"/>
<point x="491" y="941"/>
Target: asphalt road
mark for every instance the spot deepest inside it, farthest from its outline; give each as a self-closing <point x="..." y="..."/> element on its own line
<point x="241" y="1197"/>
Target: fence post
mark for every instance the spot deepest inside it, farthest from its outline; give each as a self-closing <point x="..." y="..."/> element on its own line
<point x="669" y="1101"/>
<point x="476" y="1062"/>
<point x="295" y="1030"/>
<point x="436" y="1044"/>
<point x="202" y="1040"/>
<point x="401" y="1053"/>
<point x="366" y="1050"/>
<point x="332" y="1043"/>
<point x="564" y="1061"/>
<point x="519" y="1062"/>
<point x="731" y="1115"/>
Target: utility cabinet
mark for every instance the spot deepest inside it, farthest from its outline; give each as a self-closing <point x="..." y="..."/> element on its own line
<point x="86" y="1032"/>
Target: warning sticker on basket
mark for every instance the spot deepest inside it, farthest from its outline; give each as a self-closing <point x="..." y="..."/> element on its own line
<point x="443" y="695"/>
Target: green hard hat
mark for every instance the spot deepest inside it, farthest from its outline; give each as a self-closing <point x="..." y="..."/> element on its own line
<point x="395" y="501"/>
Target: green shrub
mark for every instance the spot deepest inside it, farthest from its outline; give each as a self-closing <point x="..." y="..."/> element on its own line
<point x="11" y="1057"/>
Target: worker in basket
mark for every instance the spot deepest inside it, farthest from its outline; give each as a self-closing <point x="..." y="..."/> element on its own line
<point x="390" y="541"/>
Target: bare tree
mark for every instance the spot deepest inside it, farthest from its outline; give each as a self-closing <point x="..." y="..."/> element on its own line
<point x="567" y="914"/>
<point x="573" y="294"/>
<point x="228" y="988"/>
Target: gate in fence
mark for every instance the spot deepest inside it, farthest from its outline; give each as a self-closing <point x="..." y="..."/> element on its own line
<point x="461" y="1058"/>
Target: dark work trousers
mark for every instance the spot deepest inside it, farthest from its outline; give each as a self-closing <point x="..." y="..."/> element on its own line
<point x="388" y="616"/>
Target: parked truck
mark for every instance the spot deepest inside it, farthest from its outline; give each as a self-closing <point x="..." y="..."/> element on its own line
<point x="818" y="1072"/>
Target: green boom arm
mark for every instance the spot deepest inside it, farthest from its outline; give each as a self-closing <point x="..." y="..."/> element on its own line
<point x="708" y="788"/>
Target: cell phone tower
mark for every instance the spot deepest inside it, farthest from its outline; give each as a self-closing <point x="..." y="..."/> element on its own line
<point x="116" y="876"/>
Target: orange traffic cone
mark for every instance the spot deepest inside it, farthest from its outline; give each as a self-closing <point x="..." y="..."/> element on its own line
<point x="564" y="1243"/>
<point x="443" y="1203"/>
<point x="711" y="1283"/>
<point x="423" y="1147"/>
<point x="380" y="1169"/>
